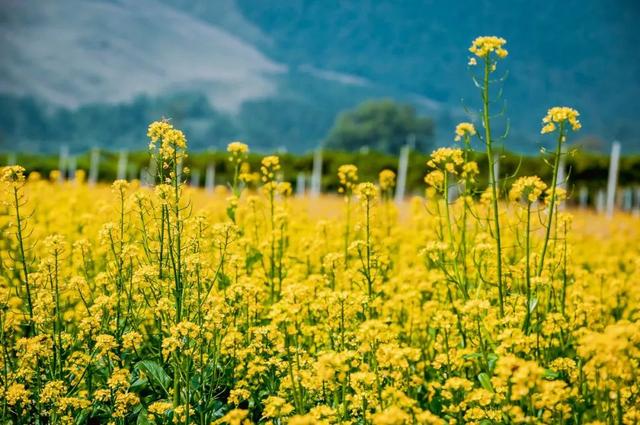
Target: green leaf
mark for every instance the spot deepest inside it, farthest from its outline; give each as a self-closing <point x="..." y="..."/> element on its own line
<point x="83" y="416"/>
<point x="231" y="213"/>
<point x="550" y="374"/>
<point x="139" y="385"/>
<point x="224" y="280"/>
<point x="142" y="418"/>
<point x="155" y="374"/>
<point x="485" y="381"/>
<point x="492" y="360"/>
<point x="253" y="256"/>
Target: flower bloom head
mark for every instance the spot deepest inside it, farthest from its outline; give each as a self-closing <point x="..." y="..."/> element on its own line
<point x="159" y="408"/>
<point x="348" y="177"/>
<point x="284" y="189"/>
<point x="234" y="417"/>
<point x="269" y="166"/>
<point x="276" y="407"/>
<point x="527" y="189"/>
<point x="120" y="186"/>
<point x="387" y="180"/>
<point x="131" y="340"/>
<point x="470" y="171"/>
<point x="446" y="159"/>
<point x="35" y="176"/>
<point x="12" y="174"/>
<point x="435" y="179"/>
<point x="237" y="151"/>
<point x="367" y="191"/>
<point x="17" y="394"/>
<point x="484" y="46"/>
<point x="560" y="195"/>
<point x="464" y="130"/>
<point x="558" y="115"/>
<point x="173" y="142"/>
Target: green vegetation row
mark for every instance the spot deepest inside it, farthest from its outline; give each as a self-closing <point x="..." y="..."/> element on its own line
<point x="584" y="169"/>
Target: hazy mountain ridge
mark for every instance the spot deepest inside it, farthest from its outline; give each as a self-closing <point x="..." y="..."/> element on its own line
<point x="73" y="53"/>
<point x="579" y="53"/>
<point x="76" y="72"/>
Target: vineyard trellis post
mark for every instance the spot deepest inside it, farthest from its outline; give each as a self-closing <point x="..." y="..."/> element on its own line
<point x="122" y="164"/>
<point x="210" y="178"/>
<point x="300" y="184"/>
<point x="94" y="166"/>
<point x="316" y="176"/>
<point x="613" y="177"/>
<point x="403" y="167"/>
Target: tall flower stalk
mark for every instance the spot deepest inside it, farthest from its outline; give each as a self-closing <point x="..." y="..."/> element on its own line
<point x="527" y="190"/>
<point x="464" y="131"/>
<point x="447" y="164"/>
<point x="237" y="154"/>
<point x="489" y="50"/>
<point x="348" y="177"/>
<point x="558" y="119"/>
<point x="14" y="177"/>
<point x="270" y="166"/>
<point x="171" y="153"/>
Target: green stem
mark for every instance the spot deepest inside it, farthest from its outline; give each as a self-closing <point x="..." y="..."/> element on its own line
<point x="564" y="273"/>
<point x="492" y="180"/>
<point x="528" y="270"/>
<point x="32" y="330"/>
<point x="368" y="230"/>
<point x="450" y="231"/>
<point x="552" y="203"/>
<point x="346" y="233"/>
<point x="272" y="213"/>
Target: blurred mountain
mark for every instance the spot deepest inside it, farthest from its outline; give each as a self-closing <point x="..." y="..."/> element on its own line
<point x="276" y="74"/>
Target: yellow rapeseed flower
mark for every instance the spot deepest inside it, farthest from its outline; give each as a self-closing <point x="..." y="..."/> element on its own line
<point x="483" y="46"/>
<point x="560" y="114"/>
<point x="464" y="129"/>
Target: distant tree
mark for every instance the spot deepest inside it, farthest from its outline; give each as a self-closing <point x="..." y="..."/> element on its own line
<point x="382" y="125"/>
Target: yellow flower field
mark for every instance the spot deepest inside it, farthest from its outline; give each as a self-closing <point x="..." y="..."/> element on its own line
<point x="169" y="305"/>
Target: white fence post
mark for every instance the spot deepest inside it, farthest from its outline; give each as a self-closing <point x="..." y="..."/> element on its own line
<point x="627" y="199"/>
<point x="210" y="178"/>
<point x="62" y="162"/>
<point x="562" y="177"/>
<point x="144" y="177"/>
<point x="403" y="168"/>
<point x="300" y="184"/>
<point x="583" y="197"/>
<point x="122" y="164"/>
<point x="94" y="166"/>
<point x="613" y="177"/>
<point x="600" y="201"/>
<point x="72" y="165"/>
<point x="316" y="175"/>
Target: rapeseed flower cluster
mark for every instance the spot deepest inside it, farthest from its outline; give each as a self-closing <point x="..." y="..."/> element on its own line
<point x="464" y="129"/>
<point x="171" y="305"/>
<point x="559" y="115"/>
<point x="527" y="189"/>
<point x="484" y="46"/>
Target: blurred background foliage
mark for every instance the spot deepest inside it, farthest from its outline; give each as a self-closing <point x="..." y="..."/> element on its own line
<point x="583" y="169"/>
